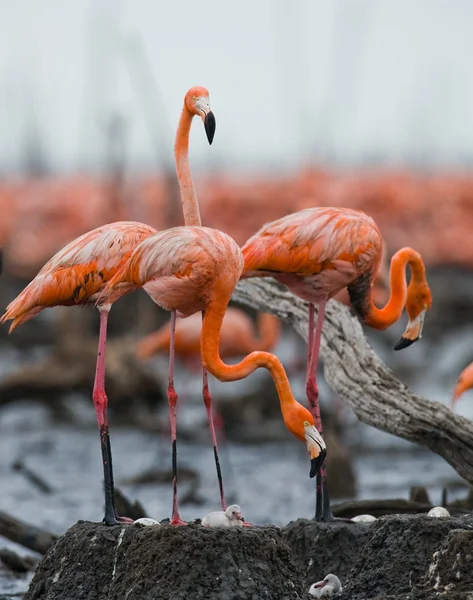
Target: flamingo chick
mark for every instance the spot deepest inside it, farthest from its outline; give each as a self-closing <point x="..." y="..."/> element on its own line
<point x="231" y="517"/>
<point x="192" y="269"/>
<point x="316" y="253"/>
<point x="327" y="588"/>
<point x="464" y="383"/>
<point x="76" y="275"/>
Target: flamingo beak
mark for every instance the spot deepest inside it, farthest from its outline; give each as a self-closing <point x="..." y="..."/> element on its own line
<point x="239" y="516"/>
<point x="202" y="106"/>
<point x="210" y="126"/>
<point x="316" y="448"/>
<point x="319" y="584"/>
<point x="413" y="332"/>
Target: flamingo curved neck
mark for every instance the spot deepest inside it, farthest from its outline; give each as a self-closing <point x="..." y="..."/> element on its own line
<point x="190" y="206"/>
<point x="382" y="318"/>
<point x="209" y="343"/>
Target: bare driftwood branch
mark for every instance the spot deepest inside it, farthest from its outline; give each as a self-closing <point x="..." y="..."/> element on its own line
<point x="354" y="371"/>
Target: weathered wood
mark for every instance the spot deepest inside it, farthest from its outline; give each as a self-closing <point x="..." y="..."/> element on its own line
<point x="355" y="372"/>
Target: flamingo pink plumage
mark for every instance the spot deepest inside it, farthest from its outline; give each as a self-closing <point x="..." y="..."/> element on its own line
<point x="316" y="253"/>
<point x="76" y="275"/>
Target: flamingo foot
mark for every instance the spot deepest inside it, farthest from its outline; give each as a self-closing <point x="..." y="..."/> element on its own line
<point x="177" y="521"/>
<point x="246" y="524"/>
<point x="125" y="520"/>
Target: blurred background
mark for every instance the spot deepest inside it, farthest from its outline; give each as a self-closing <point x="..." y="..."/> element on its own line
<point x="364" y="105"/>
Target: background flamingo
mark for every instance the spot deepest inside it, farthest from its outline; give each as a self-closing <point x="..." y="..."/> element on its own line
<point x="464" y="383"/>
<point x="77" y="275"/>
<point x="237" y="338"/>
<point x="316" y="253"/>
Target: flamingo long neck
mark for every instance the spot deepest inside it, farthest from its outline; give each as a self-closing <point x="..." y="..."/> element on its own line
<point x="190" y="206"/>
<point x="382" y="318"/>
<point x="209" y="343"/>
<point x="269" y="330"/>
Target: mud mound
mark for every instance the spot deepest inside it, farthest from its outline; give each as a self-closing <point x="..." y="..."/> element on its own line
<point x="92" y="561"/>
<point x="401" y="555"/>
<point x="322" y="548"/>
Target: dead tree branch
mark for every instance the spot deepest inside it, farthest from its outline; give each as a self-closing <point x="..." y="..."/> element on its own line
<point x="354" y="371"/>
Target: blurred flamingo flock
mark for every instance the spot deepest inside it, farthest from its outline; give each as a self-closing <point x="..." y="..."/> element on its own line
<point x="431" y="212"/>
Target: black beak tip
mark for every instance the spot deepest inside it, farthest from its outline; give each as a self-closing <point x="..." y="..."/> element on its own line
<point x="316" y="463"/>
<point x="404" y="343"/>
<point x="210" y="126"/>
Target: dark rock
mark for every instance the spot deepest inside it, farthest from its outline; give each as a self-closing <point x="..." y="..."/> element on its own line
<point x="322" y="548"/>
<point x="397" y="552"/>
<point x="160" y="563"/>
<point x="451" y="567"/>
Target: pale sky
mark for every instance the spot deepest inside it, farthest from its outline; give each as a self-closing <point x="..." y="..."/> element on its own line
<point x="289" y="80"/>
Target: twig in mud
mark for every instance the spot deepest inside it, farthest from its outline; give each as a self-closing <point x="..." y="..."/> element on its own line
<point x="38" y="481"/>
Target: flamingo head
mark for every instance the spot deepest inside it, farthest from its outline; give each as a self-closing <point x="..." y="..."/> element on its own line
<point x="315" y="447"/>
<point x="419" y="301"/>
<point x="197" y="103"/>
<point x="300" y="422"/>
<point x="233" y="512"/>
<point x="464" y="383"/>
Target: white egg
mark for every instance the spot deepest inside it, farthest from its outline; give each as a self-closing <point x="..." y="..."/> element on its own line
<point x="438" y="511"/>
<point x="146" y="521"/>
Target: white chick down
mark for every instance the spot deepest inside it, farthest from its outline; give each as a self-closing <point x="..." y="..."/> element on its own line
<point x="146" y="521"/>
<point x="232" y="517"/>
<point x="363" y="519"/>
<point x="327" y="588"/>
<point x="438" y="511"/>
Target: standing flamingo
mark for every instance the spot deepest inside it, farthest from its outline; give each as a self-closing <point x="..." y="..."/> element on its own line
<point x="190" y="269"/>
<point x="75" y="276"/>
<point x="317" y="252"/>
<point x="464" y="383"/>
<point x="78" y="272"/>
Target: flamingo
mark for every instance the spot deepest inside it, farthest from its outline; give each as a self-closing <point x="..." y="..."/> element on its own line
<point x="464" y="383"/>
<point x="76" y="276"/>
<point x="195" y="269"/>
<point x="78" y="272"/>
<point x="317" y="252"/>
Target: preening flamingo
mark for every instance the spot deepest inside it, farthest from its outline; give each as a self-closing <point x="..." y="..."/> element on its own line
<point x="74" y="276"/>
<point x="464" y="383"/>
<point x="317" y="252"/>
<point x="190" y="269"/>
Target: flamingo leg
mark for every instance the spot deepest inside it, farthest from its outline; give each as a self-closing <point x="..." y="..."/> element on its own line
<point x="100" y="403"/>
<point x="172" y="400"/>
<point x="208" y="407"/>
<point x="322" y="511"/>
